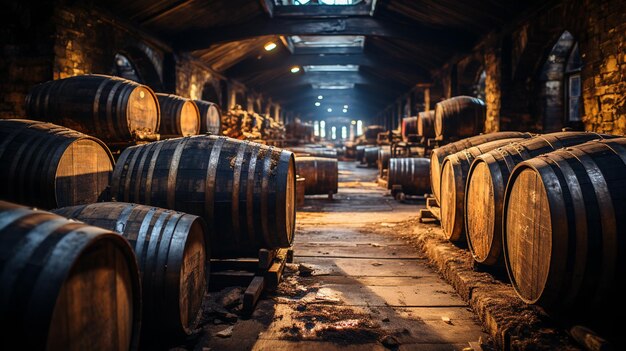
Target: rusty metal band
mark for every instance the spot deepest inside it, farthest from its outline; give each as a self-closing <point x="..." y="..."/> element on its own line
<point x="129" y="175"/>
<point x="122" y="220"/>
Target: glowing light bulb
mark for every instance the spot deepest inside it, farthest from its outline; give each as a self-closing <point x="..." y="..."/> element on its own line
<point x="330" y="109"/>
<point x="270" y="46"/>
<point x="317" y="103"/>
<point x="295" y="69"/>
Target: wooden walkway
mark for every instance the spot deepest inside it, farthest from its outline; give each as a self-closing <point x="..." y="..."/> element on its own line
<point x="357" y="283"/>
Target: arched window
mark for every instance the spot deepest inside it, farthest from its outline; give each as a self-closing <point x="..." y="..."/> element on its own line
<point x="559" y="90"/>
<point x="133" y="64"/>
<point x="124" y="68"/>
<point x="478" y="90"/>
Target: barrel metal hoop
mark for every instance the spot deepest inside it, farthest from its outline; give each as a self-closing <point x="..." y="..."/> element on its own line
<point x="109" y="107"/>
<point x="236" y="185"/>
<point x="142" y="235"/>
<point x="250" y="191"/>
<point x="96" y="105"/>
<point x="122" y="220"/>
<point x="267" y="236"/>
<point x="173" y="172"/>
<point x="150" y="173"/>
<point x="209" y="190"/>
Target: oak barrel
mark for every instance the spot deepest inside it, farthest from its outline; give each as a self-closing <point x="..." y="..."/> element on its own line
<point x="459" y="117"/>
<point x="300" y="186"/>
<point x="314" y="151"/>
<point x="65" y="285"/>
<point x="370" y="155"/>
<point x="486" y="182"/>
<point x="210" y="117"/>
<point x="48" y="166"/>
<point x="245" y="191"/>
<point x="384" y="154"/>
<point x="439" y="154"/>
<point x="360" y="153"/>
<point x="172" y="251"/>
<point x="111" y="108"/>
<point x="411" y="174"/>
<point x="453" y="178"/>
<point x="179" y="116"/>
<point x="321" y="175"/>
<point x="408" y="127"/>
<point x="564" y="227"/>
<point x="426" y="124"/>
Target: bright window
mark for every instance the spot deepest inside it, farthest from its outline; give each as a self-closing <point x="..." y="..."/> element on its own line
<point x="323" y="129"/>
<point x="316" y="128"/>
<point x="333" y="132"/>
<point x="359" y="127"/>
<point x="344" y="132"/>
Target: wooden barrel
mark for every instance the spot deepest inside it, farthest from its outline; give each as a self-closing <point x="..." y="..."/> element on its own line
<point x="179" y="116"/>
<point x="350" y="150"/>
<point x="111" y="108"/>
<point x="321" y="175"/>
<point x="300" y="186"/>
<point x="371" y="132"/>
<point x="426" y="124"/>
<point x="172" y="252"/>
<point x="459" y="117"/>
<point x="565" y="227"/>
<point x="245" y="191"/>
<point x="314" y="151"/>
<point x="439" y="154"/>
<point x="486" y="181"/>
<point x="65" y="285"/>
<point x="210" y="117"/>
<point x="370" y="155"/>
<point x="48" y="166"/>
<point x="453" y="178"/>
<point x="360" y="153"/>
<point x="411" y="174"/>
<point x="408" y="127"/>
<point x="384" y="154"/>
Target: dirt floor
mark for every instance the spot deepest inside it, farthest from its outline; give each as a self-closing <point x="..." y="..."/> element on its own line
<point x="358" y="282"/>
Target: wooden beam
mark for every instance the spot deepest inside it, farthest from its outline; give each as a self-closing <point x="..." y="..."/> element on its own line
<point x="203" y="38"/>
<point x="268" y="7"/>
<point x="252" y="66"/>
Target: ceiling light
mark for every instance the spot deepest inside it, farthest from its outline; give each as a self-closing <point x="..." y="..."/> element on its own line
<point x="345" y="106"/>
<point x="345" y="110"/>
<point x="295" y="69"/>
<point x="270" y="46"/>
<point x="353" y="122"/>
<point x="317" y="103"/>
<point x="330" y="109"/>
<point x="320" y="97"/>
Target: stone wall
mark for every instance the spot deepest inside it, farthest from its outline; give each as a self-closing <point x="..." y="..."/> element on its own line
<point x="42" y="43"/>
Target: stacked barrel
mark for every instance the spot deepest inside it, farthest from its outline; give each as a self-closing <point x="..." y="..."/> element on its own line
<point x="550" y="208"/>
<point x="186" y="199"/>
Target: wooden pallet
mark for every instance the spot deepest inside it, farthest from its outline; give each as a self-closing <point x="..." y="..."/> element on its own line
<point x="262" y="274"/>
<point x="432" y="210"/>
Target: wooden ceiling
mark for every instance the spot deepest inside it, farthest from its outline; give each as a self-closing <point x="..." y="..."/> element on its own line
<point x="405" y="40"/>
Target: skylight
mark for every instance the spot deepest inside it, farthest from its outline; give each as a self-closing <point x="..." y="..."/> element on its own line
<point x="318" y="2"/>
<point x="331" y="68"/>
<point x="333" y="86"/>
<point x="320" y="41"/>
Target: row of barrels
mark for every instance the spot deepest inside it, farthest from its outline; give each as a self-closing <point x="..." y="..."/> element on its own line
<point x="550" y="208"/>
<point x="236" y="197"/>
<point x="125" y="275"/>
<point x="452" y="119"/>
<point x="245" y="191"/>
<point x="117" y="110"/>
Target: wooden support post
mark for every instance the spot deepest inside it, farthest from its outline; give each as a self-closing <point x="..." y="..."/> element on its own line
<point x="252" y="294"/>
